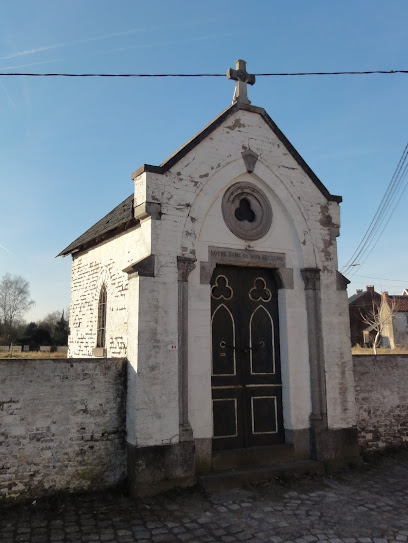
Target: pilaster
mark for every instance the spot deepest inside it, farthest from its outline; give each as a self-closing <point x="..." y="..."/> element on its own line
<point x="318" y="417"/>
<point x="185" y="266"/>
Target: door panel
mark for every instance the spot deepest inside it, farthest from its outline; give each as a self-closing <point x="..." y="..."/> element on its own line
<point x="246" y="377"/>
<point x="227" y="418"/>
<point x="261" y="342"/>
<point x="264" y="415"/>
<point x="223" y="350"/>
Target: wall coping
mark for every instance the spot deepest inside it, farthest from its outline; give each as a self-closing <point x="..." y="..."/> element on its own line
<point x="70" y="361"/>
<point x="380" y="356"/>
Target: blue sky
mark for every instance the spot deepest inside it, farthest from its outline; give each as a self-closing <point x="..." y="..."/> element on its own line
<point x="68" y="146"/>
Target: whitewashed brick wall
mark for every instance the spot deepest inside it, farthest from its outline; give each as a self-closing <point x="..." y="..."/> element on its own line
<point x="62" y="425"/>
<point x="92" y="268"/>
<point x="382" y="400"/>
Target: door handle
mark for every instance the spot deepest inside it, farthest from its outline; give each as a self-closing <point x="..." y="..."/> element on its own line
<point x="243" y="350"/>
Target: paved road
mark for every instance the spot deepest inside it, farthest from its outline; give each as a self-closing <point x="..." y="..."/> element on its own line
<point x="369" y="505"/>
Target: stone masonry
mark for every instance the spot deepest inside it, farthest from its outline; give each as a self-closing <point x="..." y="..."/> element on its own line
<point x="382" y="400"/>
<point x="368" y="505"/>
<point x="63" y="421"/>
<point x="62" y="425"/>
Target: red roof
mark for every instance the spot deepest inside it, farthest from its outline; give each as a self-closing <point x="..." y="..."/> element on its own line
<point x="399" y="303"/>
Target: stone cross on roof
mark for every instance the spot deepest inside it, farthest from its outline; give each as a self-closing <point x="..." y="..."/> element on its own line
<point x="242" y="77"/>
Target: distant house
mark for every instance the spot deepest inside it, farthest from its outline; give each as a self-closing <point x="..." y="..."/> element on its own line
<point x="395" y="332"/>
<point x="361" y="302"/>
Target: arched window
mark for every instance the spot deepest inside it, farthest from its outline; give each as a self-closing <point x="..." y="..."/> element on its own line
<point x="101" y="335"/>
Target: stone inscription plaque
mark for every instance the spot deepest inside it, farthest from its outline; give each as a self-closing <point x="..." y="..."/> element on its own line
<point x="223" y="255"/>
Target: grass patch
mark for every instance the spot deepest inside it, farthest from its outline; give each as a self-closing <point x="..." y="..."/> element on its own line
<point x="362" y="350"/>
<point x="31" y="355"/>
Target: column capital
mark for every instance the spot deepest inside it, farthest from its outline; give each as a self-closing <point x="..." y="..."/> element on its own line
<point x="185" y="266"/>
<point x="311" y="278"/>
<point x="142" y="268"/>
<point x="342" y="281"/>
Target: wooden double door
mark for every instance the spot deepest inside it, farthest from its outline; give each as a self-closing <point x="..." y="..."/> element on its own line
<point x="246" y="376"/>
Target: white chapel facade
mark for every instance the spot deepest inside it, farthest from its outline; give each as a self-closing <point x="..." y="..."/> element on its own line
<point x="217" y="279"/>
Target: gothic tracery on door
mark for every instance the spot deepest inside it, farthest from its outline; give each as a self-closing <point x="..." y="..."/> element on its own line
<point x="246" y="377"/>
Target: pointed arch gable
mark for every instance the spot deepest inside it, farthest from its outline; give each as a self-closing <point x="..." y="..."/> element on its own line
<point x="278" y="191"/>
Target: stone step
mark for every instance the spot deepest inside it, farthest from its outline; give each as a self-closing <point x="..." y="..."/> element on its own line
<point x="219" y="481"/>
<point x="253" y="457"/>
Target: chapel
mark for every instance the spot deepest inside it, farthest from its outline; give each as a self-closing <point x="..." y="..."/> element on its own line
<point x="217" y="280"/>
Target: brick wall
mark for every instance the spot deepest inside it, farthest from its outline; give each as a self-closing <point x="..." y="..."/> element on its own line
<point x="103" y="264"/>
<point x="62" y="425"/>
<point x="382" y="400"/>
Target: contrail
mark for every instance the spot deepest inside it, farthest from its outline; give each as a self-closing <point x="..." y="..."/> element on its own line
<point x="5" y="248"/>
<point x="32" y="64"/>
<point x="43" y="48"/>
<point x="29" y="52"/>
<point x="11" y="102"/>
<point x="68" y="44"/>
<point x="125" y="48"/>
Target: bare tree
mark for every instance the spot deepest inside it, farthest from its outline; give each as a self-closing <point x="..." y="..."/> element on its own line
<point x="378" y="317"/>
<point x="14" y="299"/>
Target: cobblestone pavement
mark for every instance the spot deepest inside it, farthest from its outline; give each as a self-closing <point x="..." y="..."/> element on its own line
<point x="368" y="505"/>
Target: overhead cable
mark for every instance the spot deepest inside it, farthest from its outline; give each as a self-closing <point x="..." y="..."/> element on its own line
<point x="272" y="74"/>
<point x="379" y="215"/>
<point x="383" y="279"/>
<point x="382" y="217"/>
<point x="389" y="218"/>
<point x="395" y="199"/>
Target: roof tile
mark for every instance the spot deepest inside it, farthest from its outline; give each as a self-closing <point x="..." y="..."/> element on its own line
<point x="119" y="216"/>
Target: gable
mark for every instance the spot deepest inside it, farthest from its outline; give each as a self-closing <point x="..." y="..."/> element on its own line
<point x="122" y="216"/>
<point x="191" y="144"/>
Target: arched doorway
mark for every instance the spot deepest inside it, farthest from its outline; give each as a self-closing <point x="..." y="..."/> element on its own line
<point x="246" y="378"/>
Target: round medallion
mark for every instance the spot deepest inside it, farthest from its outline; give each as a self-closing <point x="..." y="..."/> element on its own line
<point x="246" y="211"/>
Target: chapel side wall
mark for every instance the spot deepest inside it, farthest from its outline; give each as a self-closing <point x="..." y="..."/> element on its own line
<point x="90" y="270"/>
<point x="381" y="387"/>
<point x="62" y="425"/>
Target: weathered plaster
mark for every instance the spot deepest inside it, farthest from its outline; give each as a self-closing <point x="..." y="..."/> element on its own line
<point x="62" y="425"/>
<point x="187" y="192"/>
<point x="381" y="387"/>
<point x="90" y="270"/>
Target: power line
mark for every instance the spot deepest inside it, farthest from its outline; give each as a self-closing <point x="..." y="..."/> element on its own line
<point x="383" y="214"/>
<point x="383" y="279"/>
<point x="272" y="74"/>
<point x="390" y="216"/>
<point x="388" y="220"/>
<point x="380" y="213"/>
